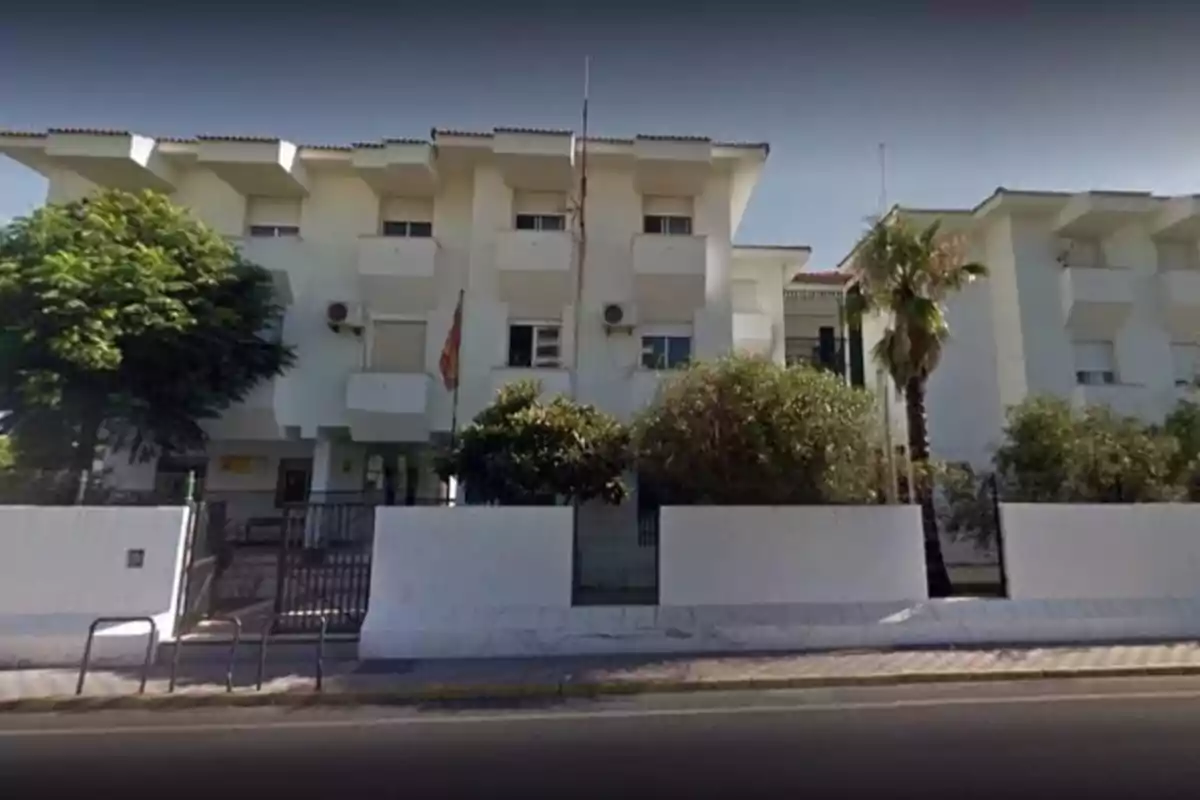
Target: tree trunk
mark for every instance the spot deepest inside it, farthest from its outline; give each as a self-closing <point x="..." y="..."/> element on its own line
<point x="85" y="456"/>
<point x="918" y="449"/>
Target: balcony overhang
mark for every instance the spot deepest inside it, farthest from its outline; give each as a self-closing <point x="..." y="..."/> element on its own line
<point x="253" y="419"/>
<point x="1179" y="296"/>
<point x="401" y="167"/>
<point x="267" y="167"/>
<point x="1095" y="214"/>
<point x="388" y="406"/>
<point x="112" y="159"/>
<point x="677" y="166"/>
<point x="1179" y="218"/>
<point x="1096" y="300"/>
<point x="535" y="160"/>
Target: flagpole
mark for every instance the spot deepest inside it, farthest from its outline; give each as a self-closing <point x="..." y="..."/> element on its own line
<point x="581" y="250"/>
<point x="456" y="335"/>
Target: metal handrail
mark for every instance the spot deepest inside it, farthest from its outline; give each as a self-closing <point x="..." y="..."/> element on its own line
<point x="233" y="647"/>
<point x="151" y="639"/>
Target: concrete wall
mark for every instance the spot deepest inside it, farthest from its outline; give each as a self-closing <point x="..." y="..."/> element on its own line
<point x="65" y="566"/>
<point x="1108" y="551"/>
<point x="431" y="562"/>
<point x="714" y="555"/>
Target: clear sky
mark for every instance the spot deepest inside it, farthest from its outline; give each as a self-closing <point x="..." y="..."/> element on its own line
<point x="968" y="95"/>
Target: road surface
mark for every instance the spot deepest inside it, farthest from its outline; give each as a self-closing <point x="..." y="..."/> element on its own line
<point x="1095" y="739"/>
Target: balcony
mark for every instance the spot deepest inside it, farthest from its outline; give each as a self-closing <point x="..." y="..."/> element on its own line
<point x="396" y="273"/>
<point x="753" y="333"/>
<point x="388" y="406"/>
<point x="115" y="160"/>
<point x="1096" y="299"/>
<point x="399" y="167"/>
<point x="655" y="254"/>
<point x="253" y="419"/>
<point x="1127" y="399"/>
<point x="266" y="167"/>
<point x="553" y="381"/>
<point x="534" y="270"/>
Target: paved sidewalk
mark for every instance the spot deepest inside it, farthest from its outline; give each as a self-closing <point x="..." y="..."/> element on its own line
<point x="416" y="681"/>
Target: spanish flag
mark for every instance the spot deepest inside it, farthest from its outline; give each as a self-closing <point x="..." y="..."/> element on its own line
<point x="448" y="363"/>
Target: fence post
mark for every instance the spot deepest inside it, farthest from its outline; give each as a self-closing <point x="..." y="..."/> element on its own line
<point x="994" y="485"/>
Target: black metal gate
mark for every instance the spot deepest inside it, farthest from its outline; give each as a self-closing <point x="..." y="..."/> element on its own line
<point x="324" y="567"/>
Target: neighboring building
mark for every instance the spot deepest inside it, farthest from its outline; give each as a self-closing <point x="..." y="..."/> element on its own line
<point x="815" y="321"/>
<point x="371" y="244"/>
<point x="1093" y="297"/>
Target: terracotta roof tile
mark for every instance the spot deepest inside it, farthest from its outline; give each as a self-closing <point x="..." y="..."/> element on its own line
<point x="89" y="131"/>
<point x="251" y="139"/>
<point x="657" y="137"/>
<point x="537" y="131"/>
<point x="177" y="140"/>
<point x="406" y="140"/>
<point x="436" y="132"/>
<point x="22" y="134"/>
<point x="609" y="140"/>
<point x="341" y="148"/>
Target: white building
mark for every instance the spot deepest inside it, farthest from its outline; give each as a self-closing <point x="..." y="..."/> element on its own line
<point x="1093" y="297"/>
<point x="387" y="234"/>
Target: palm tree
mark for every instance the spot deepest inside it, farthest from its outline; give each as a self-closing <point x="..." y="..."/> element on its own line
<point x="906" y="275"/>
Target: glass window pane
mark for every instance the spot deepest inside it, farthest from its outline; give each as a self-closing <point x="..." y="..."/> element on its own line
<point x="552" y="222"/>
<point x="520" y="346"/>
<point x="395" y="228"/>
<point x="652" y="224"/>
<point x="679" y="226"/>
<point x="526" y="222"/>
<point x="679" y="351"/>
<point x="420" y="230"/>
<point x="654" y="352"/>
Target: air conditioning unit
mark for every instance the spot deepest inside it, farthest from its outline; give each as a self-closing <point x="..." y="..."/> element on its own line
<point x="618" y="317"/>
<point x="342" y="316"/>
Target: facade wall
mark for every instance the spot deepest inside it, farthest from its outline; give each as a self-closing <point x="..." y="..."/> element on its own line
<point x="717" y="555"/>
<point x="1079" y="552"/>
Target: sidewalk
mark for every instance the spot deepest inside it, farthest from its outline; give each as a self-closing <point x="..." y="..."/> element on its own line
<point x="201" y="682"/>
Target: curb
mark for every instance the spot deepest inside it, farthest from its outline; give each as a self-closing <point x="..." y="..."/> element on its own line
<point x="435" y="693"/>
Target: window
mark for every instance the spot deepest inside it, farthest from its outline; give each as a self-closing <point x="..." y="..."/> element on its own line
<point x="273" y="231"/>
<point x="669" y="225"/>
<point x="397" y="346"/>
<point x="1184" y="360"/>
<point x="409" y="229"/>
<point x="666" y="352"/>
<point x="1095" y="363"/>
<point x="535" y="345"/>
<point x="541" y="222"/>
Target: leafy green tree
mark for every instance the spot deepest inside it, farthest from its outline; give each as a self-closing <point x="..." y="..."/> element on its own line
<point x="1052" y="453"/>
<point x="745" y="431"/>
<point x="907" y="275"/>
<point x="522" y="450"/>
<point x="1183" y="424"/>
<point x="121" y="316"/>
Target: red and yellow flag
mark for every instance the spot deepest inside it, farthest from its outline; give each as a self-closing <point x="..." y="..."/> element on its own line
<point x="448" y="363"/>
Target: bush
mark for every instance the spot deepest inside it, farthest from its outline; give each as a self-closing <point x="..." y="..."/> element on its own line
<point x="1054" y="454"/>
<point x="744" y="431"/>
<point x="521" y="450"/>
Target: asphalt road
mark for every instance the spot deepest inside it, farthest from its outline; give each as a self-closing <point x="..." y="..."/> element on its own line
<point x="1094" y="739"/>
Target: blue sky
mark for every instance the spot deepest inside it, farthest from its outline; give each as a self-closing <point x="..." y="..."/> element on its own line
<point x="968" y="96"/>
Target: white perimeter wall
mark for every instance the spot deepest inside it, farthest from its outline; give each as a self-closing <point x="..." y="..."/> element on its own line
<point x="62" y="567"/>
<point x="434" y="565"/>
<point x="1105" y="551"/>
<point x="715" y="555"/>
